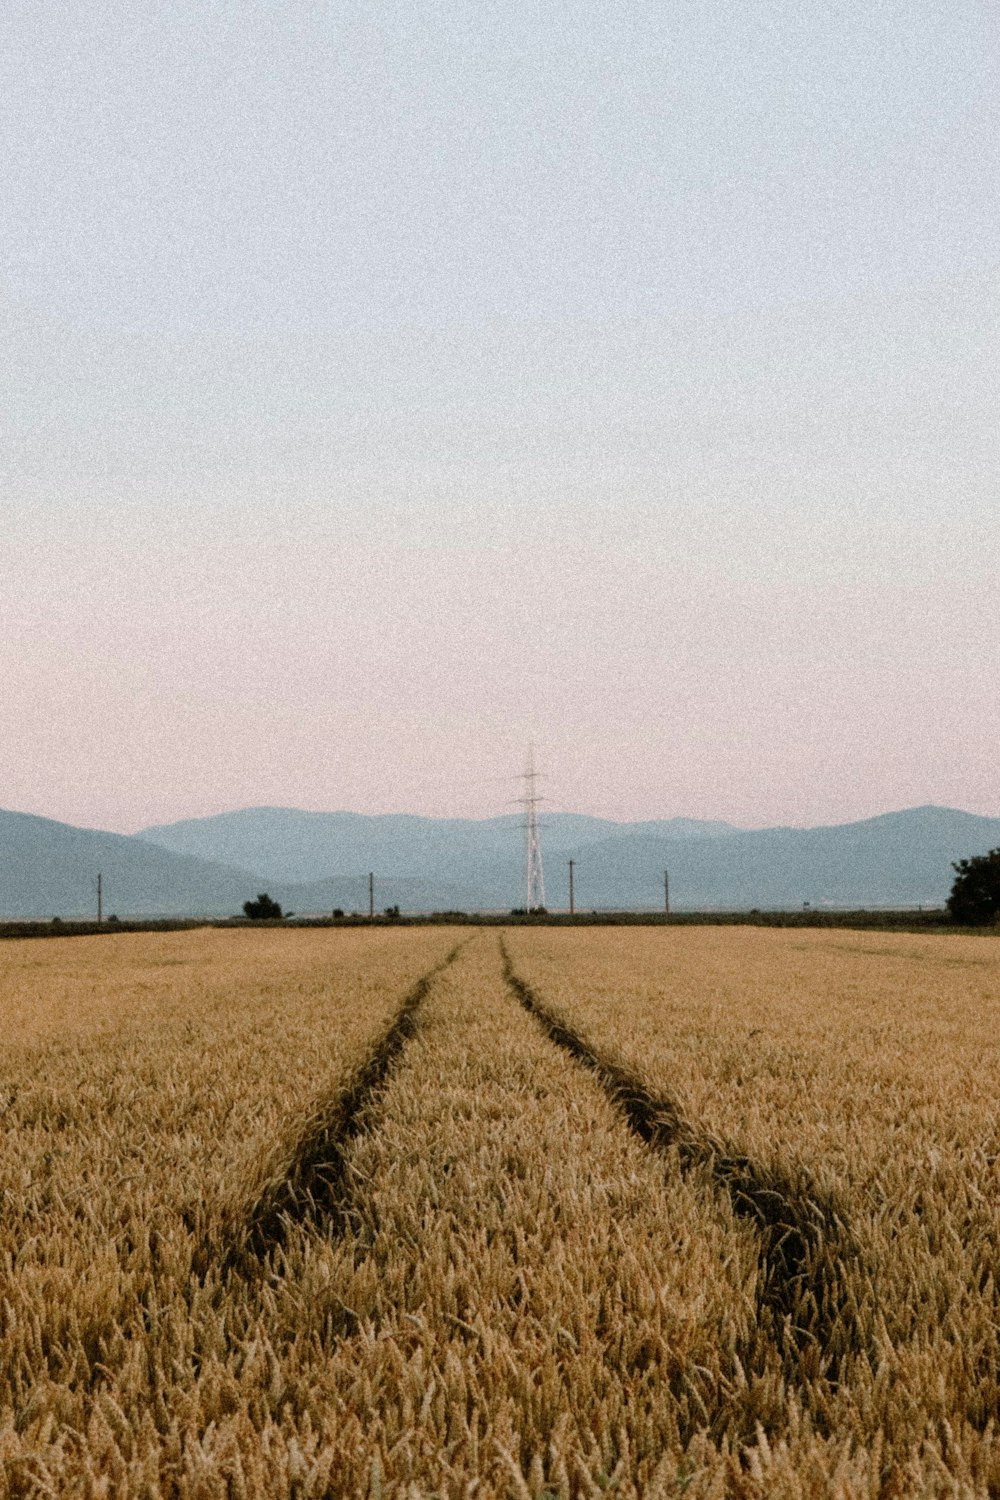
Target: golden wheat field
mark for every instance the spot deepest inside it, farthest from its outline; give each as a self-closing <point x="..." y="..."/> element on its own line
<point x="454" y="1212"/>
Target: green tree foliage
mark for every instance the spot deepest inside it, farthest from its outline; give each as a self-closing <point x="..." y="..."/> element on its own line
<point x="263" y="909"/>
<point x="975" y="896"/>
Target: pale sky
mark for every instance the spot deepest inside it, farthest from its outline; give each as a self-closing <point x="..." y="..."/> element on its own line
<point x="387" y="385"/>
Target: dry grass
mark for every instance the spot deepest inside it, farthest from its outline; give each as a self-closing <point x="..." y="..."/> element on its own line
<point x="308" y="1214"/>
<point x="147" y="1082"/>
<point x="861" y="1068"/>
<point x="526" y="1302"/>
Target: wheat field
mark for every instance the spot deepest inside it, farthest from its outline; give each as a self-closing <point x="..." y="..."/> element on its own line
<point x="548" y="1212"/>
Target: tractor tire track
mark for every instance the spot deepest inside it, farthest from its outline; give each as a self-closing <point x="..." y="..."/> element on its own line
<point x="803" y="1239"/>
<point x="315" y="1184"/>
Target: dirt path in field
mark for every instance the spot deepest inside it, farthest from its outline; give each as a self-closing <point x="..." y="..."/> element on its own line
<point x="803" y="1240"/>
<point x="528" y="1297"/>
<point x="315" y="1188"/>
<point x="520" y="1264"/>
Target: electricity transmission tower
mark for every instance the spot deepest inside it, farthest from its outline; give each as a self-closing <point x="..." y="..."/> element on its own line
<point x="534" y="874"/>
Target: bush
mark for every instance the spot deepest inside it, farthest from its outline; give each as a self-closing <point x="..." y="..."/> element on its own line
<point x="975" y="895"/>
<point x="263" y="909"/>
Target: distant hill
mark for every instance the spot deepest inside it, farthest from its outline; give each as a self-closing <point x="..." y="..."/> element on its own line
<point x="49" y="869"/>
<point x="292" y="845"/>
<point x="896" y="859"/>
<point x="903" y="858"/>
<point x="900" y="858"/>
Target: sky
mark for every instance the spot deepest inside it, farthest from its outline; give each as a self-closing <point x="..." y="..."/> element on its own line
<point x="387" y="387"/>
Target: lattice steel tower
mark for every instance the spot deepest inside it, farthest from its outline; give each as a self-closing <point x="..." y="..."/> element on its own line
<point x="534" y="874"/>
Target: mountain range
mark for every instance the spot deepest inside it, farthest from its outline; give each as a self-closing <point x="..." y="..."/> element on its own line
<point x="313" y="862"/>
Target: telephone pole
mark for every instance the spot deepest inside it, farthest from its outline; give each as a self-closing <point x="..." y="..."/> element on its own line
<point x="666" y="892"/>
<point x="371" y="896"/>
<point x="571" y="907"/>
<point x="100" y="899"/>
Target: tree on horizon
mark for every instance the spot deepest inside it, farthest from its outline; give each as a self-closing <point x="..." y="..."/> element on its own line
<point x="975" y="895"/>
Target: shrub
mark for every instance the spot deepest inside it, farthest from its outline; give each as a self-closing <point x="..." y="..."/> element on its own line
<point x="263" y="909"/>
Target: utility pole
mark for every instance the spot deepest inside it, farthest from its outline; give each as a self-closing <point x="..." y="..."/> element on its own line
<point x="666" y="892"/>
<point x="571" y="907"/>
<point x="534" y="876"/>
<point x="100" y="899"/>
<point x="371" y="897"/>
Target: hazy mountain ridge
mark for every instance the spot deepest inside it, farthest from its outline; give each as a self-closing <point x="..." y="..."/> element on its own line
<point x="903" y="858"/>
<point x="899" y="858"/>
<point x="297" y="846"/>
<point x="50" y="869"/>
